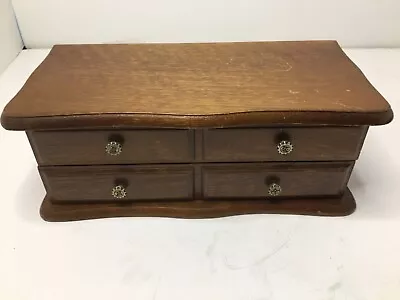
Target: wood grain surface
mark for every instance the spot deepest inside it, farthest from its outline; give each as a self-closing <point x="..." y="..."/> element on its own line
<point x="82" y="147"/>
<point x="197" y="181"/>
<point x="95" y="183"/>
<point x="189" y="85"/>
<point x="326" y="206"/>
<point x="260" y="144"/>
<point x="87" y="147"/>
<point x="241" y="181"/>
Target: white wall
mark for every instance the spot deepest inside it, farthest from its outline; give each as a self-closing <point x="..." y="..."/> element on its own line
<point x="10" y="39"/>
<point x="354" y="23"/>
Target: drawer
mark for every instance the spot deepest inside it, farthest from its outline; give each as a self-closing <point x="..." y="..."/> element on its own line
<point x="261" y="144"/>
<point x="111" y="147"/>
<point x="260" y="180"/>
<point x="118" y="183"/>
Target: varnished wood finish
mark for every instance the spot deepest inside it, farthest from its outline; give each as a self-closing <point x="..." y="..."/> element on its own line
<point x="196" y="85"/>
<point x="199" y="126"/>
<point x="95" y="183"/>
<point x="211" y="145"/>
<point x="88" y="147"/>
<point x="239" y="181"/>
<point x="196" y="181"/>
<point x="260" y="144"/>
<point x="248" y="119"/>
<point x="325" y="206"/>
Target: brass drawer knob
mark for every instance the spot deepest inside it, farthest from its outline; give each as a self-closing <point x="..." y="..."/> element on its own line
<point x="118" y="192"/>
<point x="114" y="148"/>
<point x="274" y="189"/>
<point x="285" y="147"/>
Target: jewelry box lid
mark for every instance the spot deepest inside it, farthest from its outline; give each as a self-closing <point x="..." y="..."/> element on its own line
<point x="196" y="85"/>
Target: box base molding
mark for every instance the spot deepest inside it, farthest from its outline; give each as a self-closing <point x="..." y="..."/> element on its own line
<point x="60" y="212"/>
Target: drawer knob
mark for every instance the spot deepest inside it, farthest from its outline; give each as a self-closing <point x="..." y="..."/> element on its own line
<point x="285" y="147"/>
<point x="274" y="189"/>
<point x="118" y="192"/>
<point x="114" y="148"/>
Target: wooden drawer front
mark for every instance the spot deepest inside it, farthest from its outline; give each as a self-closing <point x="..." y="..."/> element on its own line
<point x="95" y="183"/>
<point x="260" y="144"/>
<point x="89" y="147"/>
<point x="253" y="180"/>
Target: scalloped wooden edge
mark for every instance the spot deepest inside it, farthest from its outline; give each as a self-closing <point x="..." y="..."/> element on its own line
<point x="267" y="118"/>
<point x="321" y="206"/>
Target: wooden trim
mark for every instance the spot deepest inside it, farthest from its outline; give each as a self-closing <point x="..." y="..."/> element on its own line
<point x="266" y="118"/>
<point x="338" y="206"/>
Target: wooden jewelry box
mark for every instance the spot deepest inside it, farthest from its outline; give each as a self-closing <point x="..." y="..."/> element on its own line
<point x="196" y="130"/>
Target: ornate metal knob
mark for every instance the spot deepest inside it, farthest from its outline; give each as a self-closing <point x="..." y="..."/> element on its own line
<point x="118" y="192"/>
<point x="274" y="189"/>
<point x="285" y="147"/>
<point x="114" y="148"/>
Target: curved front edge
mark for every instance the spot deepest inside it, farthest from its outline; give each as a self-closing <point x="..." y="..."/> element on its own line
<point x="341" y="206"/>
<point x="254" y="118"/>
